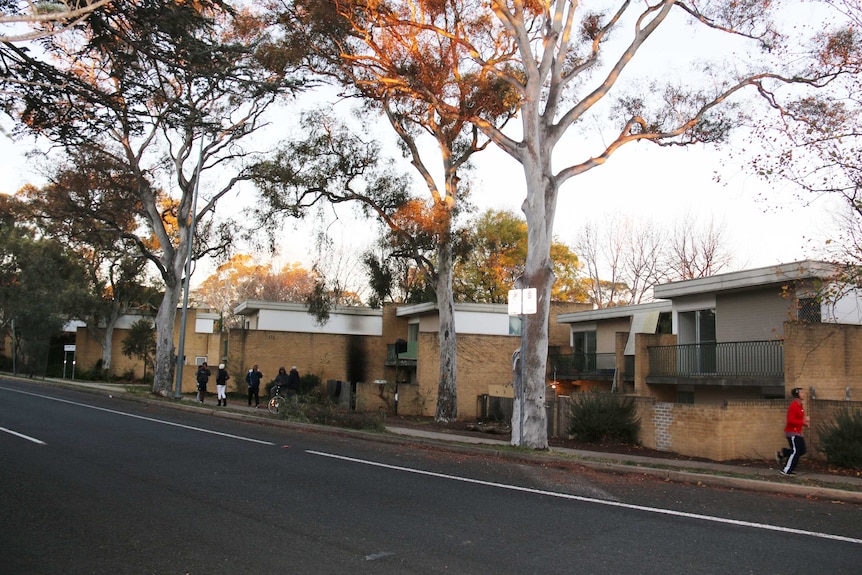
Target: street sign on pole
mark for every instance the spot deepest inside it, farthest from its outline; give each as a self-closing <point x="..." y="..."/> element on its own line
<point x="515" y="301"/>
<point x="522" y="301"/>
<point x="528" y="301"/>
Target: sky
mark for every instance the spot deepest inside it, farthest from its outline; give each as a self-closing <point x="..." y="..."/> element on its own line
<point x="765" y="223"/>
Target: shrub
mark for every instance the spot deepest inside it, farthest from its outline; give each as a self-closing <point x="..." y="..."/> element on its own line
<point x="95" y="373"/>
<point x="597" y="417"/>
<point x="129" y="375"/>
<point x="841" y="439"/>
<point x="308" y="382"/>
<point x="317" y="408"/>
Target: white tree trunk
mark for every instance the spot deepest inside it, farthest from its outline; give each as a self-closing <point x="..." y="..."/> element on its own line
<point x="107" y="347"/>
<point x="517" y="388"/>
<point x="163" y="380"/>
<point x="540" y="208"/>
<point x="108" y="336"/>
<point x="447" y="390"/>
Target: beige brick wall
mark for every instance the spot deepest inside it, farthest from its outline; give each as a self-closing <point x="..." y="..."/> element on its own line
<point x="825" y="356"/>
<point x="325" y="355"/>
<point x="209" y="345"/>
<point x="737" y="430"/>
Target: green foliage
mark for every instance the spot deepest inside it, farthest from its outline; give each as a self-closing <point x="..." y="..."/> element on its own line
<point x="308" y="383"/>
<point x="319" y="302"/>
<point x="41" y="286"/>
<point x="394" y="276"/>
<point x="841" y="439"/>
<point x="94" y="373"/>
<point x="491" y="256"/>
<point x="597" y="417"/>
<point x="140" y="343"/>
<point x="128" y="375"/>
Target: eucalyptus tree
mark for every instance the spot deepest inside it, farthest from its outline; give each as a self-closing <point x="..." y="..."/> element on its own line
<point x="370" y="55"/>
<point x="25" y="20"/>
<point x="591" y="78"/>
<point x="573" y="58"/>
<point x="160" y="94"/>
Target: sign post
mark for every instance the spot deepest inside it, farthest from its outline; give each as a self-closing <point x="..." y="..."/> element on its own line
<point x="66" y="350"/>
<point x="522" y="302"/>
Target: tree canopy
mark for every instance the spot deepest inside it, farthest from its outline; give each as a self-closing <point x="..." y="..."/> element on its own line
<point x="492" y="259"/>
<point x="26" y="20"/>
<point x="243" y="278"/>
<point x="813" y="144"/>
<point x="143" y="94"/>
<point x="43" y="285"/>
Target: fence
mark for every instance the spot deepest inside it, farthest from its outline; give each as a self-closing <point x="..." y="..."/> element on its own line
<point x="725" y="359"/>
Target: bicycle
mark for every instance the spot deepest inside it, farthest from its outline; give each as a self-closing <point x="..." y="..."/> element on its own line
<point x="278" y="401"/>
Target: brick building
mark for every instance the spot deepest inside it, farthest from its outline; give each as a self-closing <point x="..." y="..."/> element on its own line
<point x="713" y="364"/>
<point x="355" y="351"/>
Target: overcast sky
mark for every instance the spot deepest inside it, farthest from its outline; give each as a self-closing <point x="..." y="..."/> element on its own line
<point x="765" y="223"/>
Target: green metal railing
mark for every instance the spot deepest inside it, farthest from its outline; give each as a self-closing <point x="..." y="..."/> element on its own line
<point x="725" y="359"/>
<point x="581" y="364"/>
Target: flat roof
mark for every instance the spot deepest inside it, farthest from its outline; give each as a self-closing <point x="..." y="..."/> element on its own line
<point x="251" y="306"/>
<point x="747" y="279"/>
<point x="615" y="312"/>
<point x="430" y="307"/>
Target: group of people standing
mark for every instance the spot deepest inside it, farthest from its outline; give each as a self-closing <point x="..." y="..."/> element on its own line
<point x="287" y="381"/>
<point x="203" y="376"/>
<point x="284" y="380"/>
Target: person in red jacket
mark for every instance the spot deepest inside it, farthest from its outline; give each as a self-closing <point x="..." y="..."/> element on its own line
<point x="796" y="421"/>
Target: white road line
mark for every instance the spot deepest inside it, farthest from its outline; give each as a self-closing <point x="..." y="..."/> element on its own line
<point x="163" y="422"/>
<point x="658" y="510"/>
<point x="22" y="436"/>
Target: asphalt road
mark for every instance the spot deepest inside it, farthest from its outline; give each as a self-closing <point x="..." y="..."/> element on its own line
<point x="92" y="484"/>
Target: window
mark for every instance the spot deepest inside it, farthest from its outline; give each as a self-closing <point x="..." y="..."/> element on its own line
<point x="584" y="347"/>
<point x="808" y="310"/>
<point x="685" y="397"/>
<point x="697" y="338"/>
<point x="665" y="323"/>
<point x="200" y="359"/>
<point x="584" y="342"/>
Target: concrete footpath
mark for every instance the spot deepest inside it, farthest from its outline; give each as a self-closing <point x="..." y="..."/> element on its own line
<point x="820" y="485"/>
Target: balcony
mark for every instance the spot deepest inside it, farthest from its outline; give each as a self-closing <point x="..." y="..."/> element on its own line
<point x="725" y="363"/>
<point x="594" y="366"/>
<point x="405" y="358"/>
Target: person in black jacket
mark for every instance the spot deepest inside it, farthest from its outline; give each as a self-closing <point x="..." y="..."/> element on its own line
<point x="293" y="381"/>
<point x="203" y="376"/>
<point x="252" y="378"/>
<point x="221" y="384"/>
